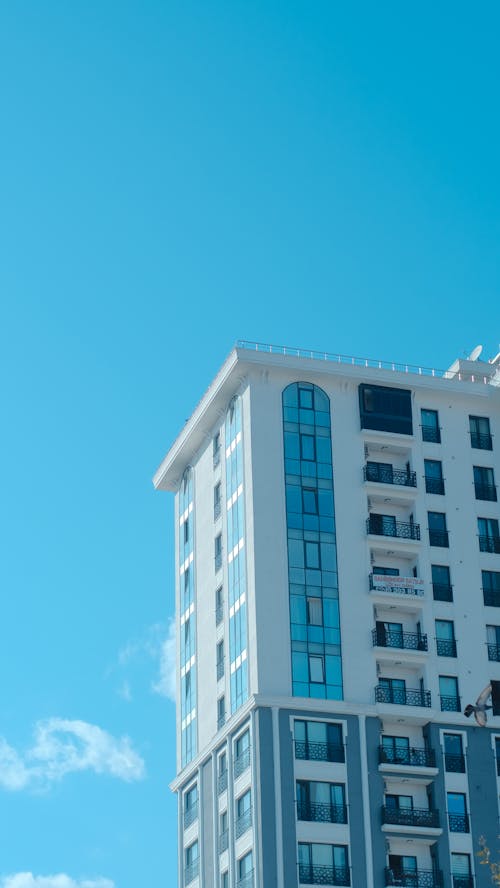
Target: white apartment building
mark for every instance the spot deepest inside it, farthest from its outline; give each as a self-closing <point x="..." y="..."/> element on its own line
<point x="337" y="606"/>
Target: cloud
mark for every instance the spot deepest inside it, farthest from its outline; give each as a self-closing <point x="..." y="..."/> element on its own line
<point x="28" y="880"/>
<point x="64" y="746"/>
<point x="166" y="682"/>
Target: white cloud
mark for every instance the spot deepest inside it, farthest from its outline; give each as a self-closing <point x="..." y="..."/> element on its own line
<point x="28" y="880"/>
<point x="63" y="746"/>
<point x="166" y="683"/>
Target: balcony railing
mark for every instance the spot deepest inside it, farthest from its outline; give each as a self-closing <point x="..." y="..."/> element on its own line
<point x="403" y="696"/>
<point x="412" y="756"/>
<point x="408" y="641"/>
<point x="446" y="647"/>
<point x="414" y="878"/>
<point x="454" y="762"/>
<point x="439" y="538"/>
<point x="245" y="881"/>
<point x="486" y="492"/>
<point x="442" y="592"/>
<point x="402" y="529"/>
<point x="223" y="841"/>
<point x="217" y="509"/>
<point x="396" y="585"/>
<point x="450" y="704"/>
<point x="383" y="474"/>
<point x="242" y="762"/>
<point x="219" y="614"/>
<point x="190" y="815"/>
<point x="494" y="652"/>
<point x="491" y="597"/>
<point x="489" y="544"/>
<point x="222" y="781"/>
<point x="431" y="433"/>
<point x="481" y="441"/>
<point x="218" y="561"/>
<point x="243" y="822"/>
<point x="458" y="823"/>
<point x="461" y="881"/>
<point x="220" y="669"/>
<point x="434" y="485"/>
<point x="315" y="874"/>
<point x="191" y="871"/>
<point x="314" y="751"/>
<point x="321" y="813"/>
<point x="423" y="817"/>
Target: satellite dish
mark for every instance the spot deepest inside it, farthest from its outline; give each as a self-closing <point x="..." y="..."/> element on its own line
<point x="475" y="353"/>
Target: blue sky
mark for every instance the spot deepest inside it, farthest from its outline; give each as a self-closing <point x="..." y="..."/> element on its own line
<point x="174" y="176"/>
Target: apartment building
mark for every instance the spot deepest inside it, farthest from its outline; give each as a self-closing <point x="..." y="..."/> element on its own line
<point x="337" y="607"/>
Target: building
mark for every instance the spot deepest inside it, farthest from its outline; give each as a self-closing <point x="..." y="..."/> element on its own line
<point x="338" y="605"/>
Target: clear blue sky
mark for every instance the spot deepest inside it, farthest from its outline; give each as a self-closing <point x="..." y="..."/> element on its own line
<point x="173" y="176"/>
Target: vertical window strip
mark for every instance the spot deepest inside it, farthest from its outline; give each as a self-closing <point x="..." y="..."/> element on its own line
<point x="187" y="622"/>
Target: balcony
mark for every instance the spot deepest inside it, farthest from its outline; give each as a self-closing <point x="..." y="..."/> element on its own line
<point x="223" y="841"/>
<point x="491" y="597"/>
<point x="190" y="815"/>
<point x="408" y="641"/>
<point x="489" y="544"/>
<point x="458" y="823"/>
<point x="461" y="881"/>
<point x="450" y="704"/>
<point x="446" y="647"/>
<point x="434" y="485"/>
<point x="454" y="762"/>
<point x="439" y="538"/>
<point x="403" y="530"/>
<point x="314" y="751"/>
<point x="241" y="762"/>
<point x="403" y="696"/>
<point x="481" y="441"/>
<point x="245" y="881"/>
<point x="221" y="720"/>
<point x="322" y="813"/>
<point x="442" y="592"/>
<point x="422" y="817"/>
<point x="411" y="586"/>
<point x="314" y="874"/>
<point x="191" y="871"/>
<point x="414" y="878"/>
<point x="243" y="823"/>
<point x="411" y="757"/>
<point x="486" y="492"/>
<point x="494" y="652"/>
<point x="380" y="473"/>
<point x="431" y="433"/>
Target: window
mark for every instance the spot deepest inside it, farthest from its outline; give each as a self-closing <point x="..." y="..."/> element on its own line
<point x="191" y="863"/>
<point x="489" y="538"/>
<point x="217" y="501"/>
<point x="385" y="409"/>
<point x="224" y="880"/>
<point x="382" y="525"/>
<point x="223" y="832"/>
<point x="434" y="482"/>
<point x="245" y="871"/>
<point x="243" y="813"/>
<point x="219" y="605"/>
<point x="216" y="449"/>
<point x="403" y="870"/>
<point x="312" y="559"/>
<point x="383" y="473"/>
<point x="307" y="447"/>
<point x="399" y="802"/>
<point x="491" y="587"/>
<point x="461" y="871"/>
<point x="318" y="741"/>
<point x="446" y="645"/>
<point x="220" y="659"/>
<point x="395" y="750"/>
<point x="321" y="864"/>
<point x="316" y="669"/>
<point x="493" y="642"/>
<point x="458" y="819"/>
<point x="484" y="483"/>
<point x="438" y="534"/>
<point x="430" y="426"/>
<point x="448" y="692"/>
<point x="315" y="611"/>
<point x="480" y="436"/>
<point x="321" y="802"/>
<point x="392" y="690"/>
<point x="309" y="501"/>
<point x="454" y="759"/>
<point x="241" y="754"/>
<point x="222" y="773"/>
<point x="442" y="589"/>
<point x="386" y="571"/>
<point x="190" y="806"/>
<point x="221" y="711"/>
<point x="218" y="551"/>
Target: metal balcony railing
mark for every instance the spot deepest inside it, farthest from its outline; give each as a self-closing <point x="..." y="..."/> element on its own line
<point x="414" y="878"/>
<point x="442" y="592"/>
<point x="481" y="441"/>
<point x="382" y="474"/>
<point x="403" y="696"/>
<point x="461" y="881"/>
<point x="449" y="704"/>
<point x="315" y="874"/>
<point x="219" y="614"/>
<point x="243" y="822"/>
<point x="494" y="652"/>
<point x="314" y="751"/>
<point x="458" y="823"/>
<point x="408" y="641"/>
<point x="446" y="647"/>
<point x="223" y="841"/>
<point x="246" y="881"/>
<point x="489" y="544"/>
<point x="423" y="817"/>
<point x="491" y="597"/>
<point x="486" y="492"/>
<point x="191" y="871"/>
<point x="396" y="585"/>
<point x="412" y="757"/>
<point x="218" y="561"/>
<point x="439" y="538"/>
<point x="454" y="762"/>
<point x="241" y="762"/>
<point x="190" y="814"/>
<point x="222" y="781"/>
<point x="217" y="510"/>
<point x="321" y="813"/>
<point x="431" y="434"/>
<point x="402" y="529"/>
<point x="434" y="485"/>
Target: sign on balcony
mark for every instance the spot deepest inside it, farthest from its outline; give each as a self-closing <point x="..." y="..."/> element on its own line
<point x="398" y="585"/>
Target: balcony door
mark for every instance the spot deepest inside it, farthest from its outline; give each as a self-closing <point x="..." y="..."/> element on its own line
<point x="403" y="870"/>
<point x="396" y="750"/>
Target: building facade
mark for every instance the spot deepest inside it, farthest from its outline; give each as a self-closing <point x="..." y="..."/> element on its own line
<point x="337" y="606"/>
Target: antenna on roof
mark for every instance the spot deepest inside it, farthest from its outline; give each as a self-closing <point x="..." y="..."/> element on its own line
<point x="475" y="353"/>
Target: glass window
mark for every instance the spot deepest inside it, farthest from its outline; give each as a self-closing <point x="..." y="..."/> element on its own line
<point x="438" y="534"/>
<point x="307" y="447"/>
<point x="480" y="435"/>
<point x="386" y="571"/>
<point x="305" y="398"/>
<point x="460" y="866"/>
<point x="244" y="803"/>
<point x="433" y="476"/>
<point x="386" y="409"/>
<point x="456" y="802"/>
<point x="484" y="483"/>
<point x="221" y="711"/>
<point x="445" y="638"/>
<point x="430" y="426"/>
<point x="309" y="501"/>
<point x="312" y="555"/>
<point x="395" y="750"/>
<point x="441" y="582"/>
<point x="224" y="880"/>
<point x="497" y="754"/>
<point x="316" y="669"/>
<point x="245" y="865"/>
<point x="491" y="587"/>
<point x="318" y="741"/>
<point x="315" y="611"/>
<point x="399" y="802"/>
<point x="242" y="744"/>
<point x="454" y="759"/>
<point x="448" y="692"/>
